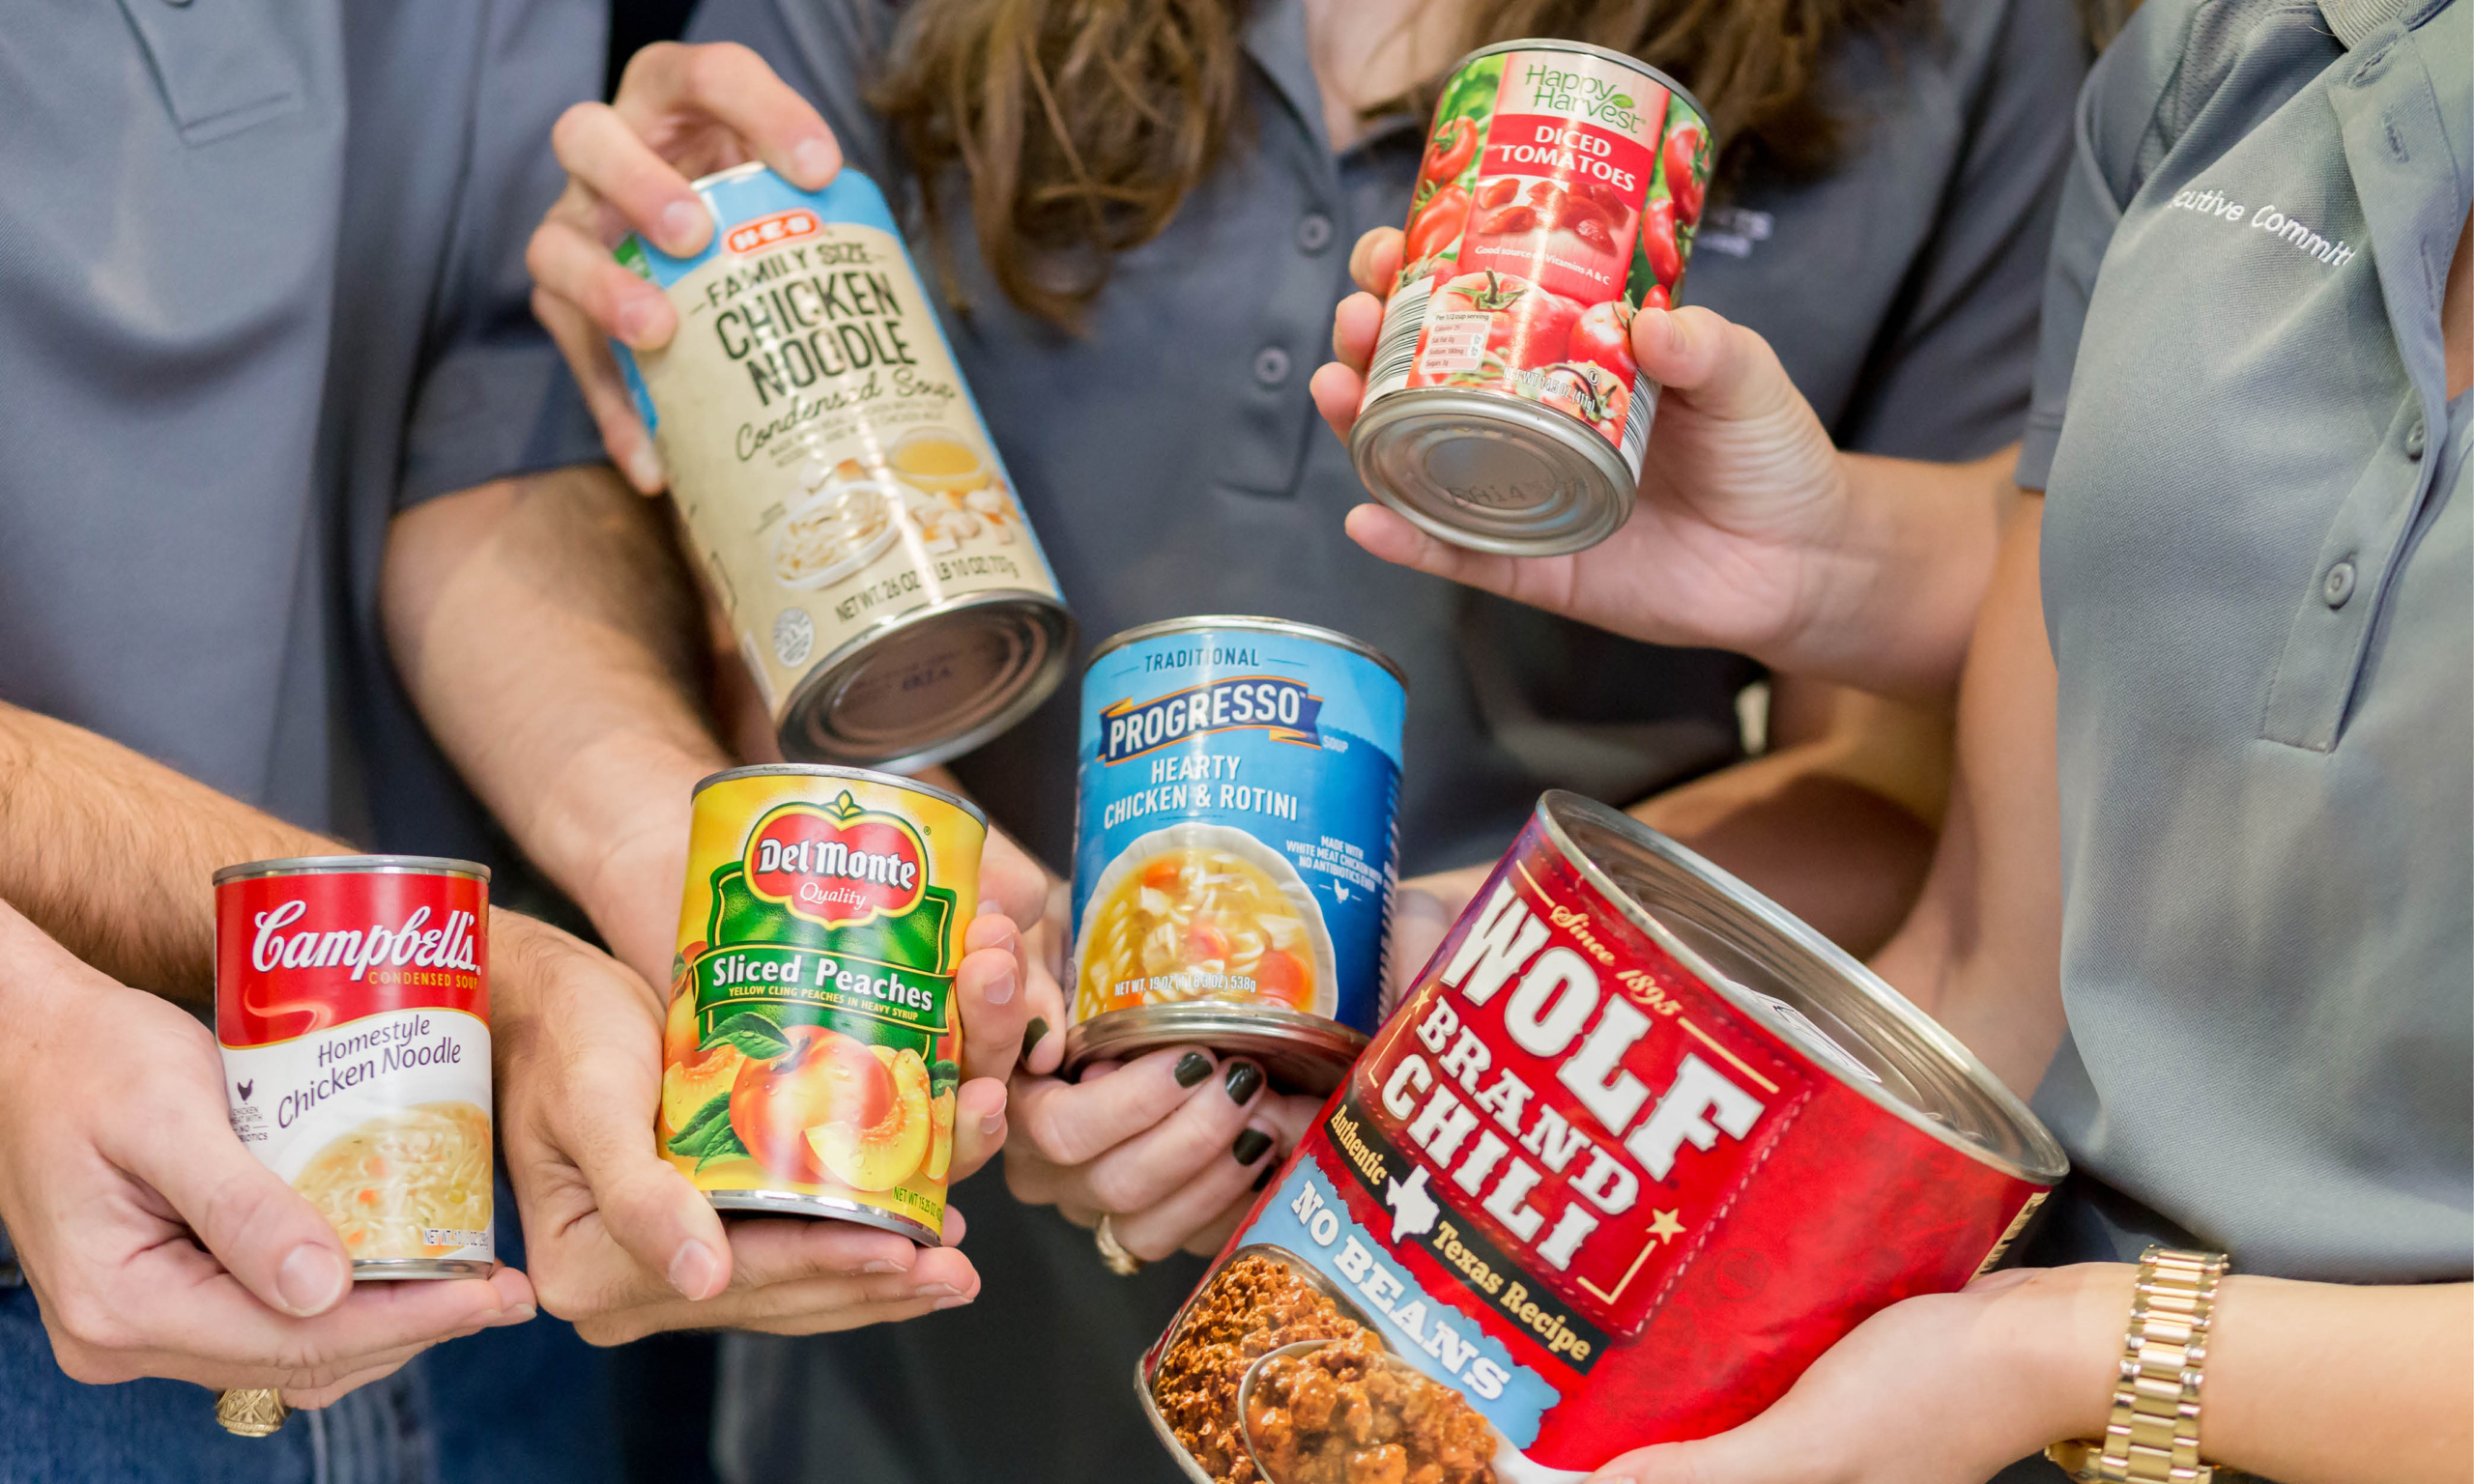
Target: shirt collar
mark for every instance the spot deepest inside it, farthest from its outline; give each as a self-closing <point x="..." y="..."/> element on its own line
<point x="1276" y="39"/>
<point x="2355" y="21"/>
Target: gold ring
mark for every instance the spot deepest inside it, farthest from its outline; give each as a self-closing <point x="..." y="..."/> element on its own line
<point x="1112" y="1254"/>
<point x="250" y="1411"/>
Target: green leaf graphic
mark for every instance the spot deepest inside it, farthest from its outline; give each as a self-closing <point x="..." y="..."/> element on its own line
<point x="698" y="1131"/>
<point x="754" y="1034"/>
<point x="1622" y="99"/>
<point x="943" y="1077"/>
<point x="727" y="1148"/>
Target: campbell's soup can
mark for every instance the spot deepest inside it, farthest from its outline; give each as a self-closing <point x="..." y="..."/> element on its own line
<point x="352" y="1002"/>
<point x="1636" y="1148"/>
<point x="812" y="1050"/>
<point x="1235" y="851"/>
<point x="851" y="510"/>
<point x="1559" y="193"/>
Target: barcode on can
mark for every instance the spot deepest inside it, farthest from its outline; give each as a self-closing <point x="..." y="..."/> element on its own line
<point x="1395" y="349"/>
<point x="1640" y="411"/>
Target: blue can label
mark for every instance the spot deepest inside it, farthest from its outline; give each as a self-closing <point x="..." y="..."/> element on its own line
<point x="1236" y="835"/>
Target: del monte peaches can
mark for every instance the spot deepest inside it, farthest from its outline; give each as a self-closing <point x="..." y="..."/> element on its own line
<point x="809" y="1058"/>
<point x="848" y="502"/>
<point x="1559" y="194"/>
<point x="352" y="1004"/>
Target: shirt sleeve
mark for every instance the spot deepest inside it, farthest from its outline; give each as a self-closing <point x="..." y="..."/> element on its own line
<point x="495" y="399"/>
<point x="1950" y="374"/>
<point x="831" y="51"/>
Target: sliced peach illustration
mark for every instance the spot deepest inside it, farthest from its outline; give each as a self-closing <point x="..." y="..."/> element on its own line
<point x="689" y="1078"/>
<point x="874" y="1139"/>
<point x="940" y="1149"/>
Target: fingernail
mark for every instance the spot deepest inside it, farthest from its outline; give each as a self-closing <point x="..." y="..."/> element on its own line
<point x="521" y="1314"/>
<point x="1249" y="1146"/>
<point x="938" y="1291"/>
<point x="1265" y="1177"/>
<point x="884" y="1265"/>
<point x="954" y="1303"/>
<point x="813" y="157"/>
<point x="1000" y="989"/>
<point x="1193" y="1067"/>
<point x="987" y="905"/>
<point x="312" y="1279"/>
<point x="993" y="1122"/>
<point x="693" y="1268"/>
<point x="644" y="467"/>
<point x="1243" y="1080"/>
<point x="1034" y="1033"/>
<point x="678" y="223"/>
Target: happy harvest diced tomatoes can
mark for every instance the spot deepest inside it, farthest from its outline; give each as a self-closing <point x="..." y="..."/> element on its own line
<point x="1559" y="194"/>
<point x="1636" y="1148"/>
<point x="809" y="1058"/>
<point x="351" y="1004"/>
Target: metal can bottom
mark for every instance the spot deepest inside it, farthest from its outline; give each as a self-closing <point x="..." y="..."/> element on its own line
<point x="792" y="1203"/>
<point x="391" y="1270"/>
<point x="932" y="684"/>
<point x="1299" y="1052"/>
<point x="1493" y="473"/>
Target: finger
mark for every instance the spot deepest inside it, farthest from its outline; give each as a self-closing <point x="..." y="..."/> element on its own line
<point x="1161" y="1228"/>
<point x="1191" y="1144"/>
<point x="1336" y="391"/>
<point x="769" y="1252"/>
<point x="1076" y="1122"/>
<point x="732" y="85"/>
<point x="1375" y="261"/>
<point x="1717" y="366"/>
<point x="1050" y="948"/>
<point x="653" y="1213"/>
<point x="1357" y="324"/>
<point x="263" y="1231"/>
<point x="195" y="1323"/>
<point x="979" y="1127"/>
<point x="988" y="996"/>
<point x="1214" y="1235"/>
<point x="941" y="1277"/>
<point x="606" y="155"/>
<point x="1010" y="878"/>
<point x="624" y="434"/>
<point x="567" y="264"/>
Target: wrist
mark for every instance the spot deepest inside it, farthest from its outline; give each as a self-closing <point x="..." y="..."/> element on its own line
<point x="612" y="835"/>
<point x="2063" y="1329"/>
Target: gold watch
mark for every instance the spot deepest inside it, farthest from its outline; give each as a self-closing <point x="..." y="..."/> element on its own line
<point x="2153" y="1435"/>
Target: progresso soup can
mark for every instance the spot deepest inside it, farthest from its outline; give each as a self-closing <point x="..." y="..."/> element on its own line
<point x="1636" y="1148"/>
<point x="1559" y="193"/>
<point x="812" y="1050"/>
<point x="352" y="1002"/>
<point x="849" y="504"/>
<point x="1235" y="856"/>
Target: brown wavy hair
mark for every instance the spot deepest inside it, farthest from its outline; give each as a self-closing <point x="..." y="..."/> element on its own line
<point x="1083" y="124"/>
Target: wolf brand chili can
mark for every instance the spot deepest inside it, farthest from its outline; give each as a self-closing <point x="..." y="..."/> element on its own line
<point x="351" y="1002"/>
<point x="1559" y="193"/>
<point x="811" y="1054"/>
<point x="1235" y="855"/>
<point x="1635" y="1151"/>
<point x="833" y="471"/>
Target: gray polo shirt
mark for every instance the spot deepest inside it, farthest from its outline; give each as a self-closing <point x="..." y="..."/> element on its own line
<point x="2259" y="581"/>
<point x="1172" y="464"/>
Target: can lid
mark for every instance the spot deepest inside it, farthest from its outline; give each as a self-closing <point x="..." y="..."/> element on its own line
<point x="334" y="865"/>
<point x="845" y="775"/>
<point x="1803" y="988"/>
<point x="1246" y="623"/>
<point x="1492" y="471"/>
<point x="932" y="684"/>
<point x="1299" y="1052"/>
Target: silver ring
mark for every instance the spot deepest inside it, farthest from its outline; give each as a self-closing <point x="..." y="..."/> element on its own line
<point x="252" y="1411"/>
<point x="1112" y="1254"/>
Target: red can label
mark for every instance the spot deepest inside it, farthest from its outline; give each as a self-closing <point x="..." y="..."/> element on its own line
<point x="352" y="1010"/>
<point x="1572" y="1201"/>
<point x="1558" y="194"/>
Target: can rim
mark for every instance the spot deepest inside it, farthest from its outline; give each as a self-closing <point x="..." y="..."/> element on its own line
<point x="338" y="865"/>
<point x="836" y="770"/>
<point x="1038" y="683"/>
<point x="1447" y="402"/>
<point x="1256" y="623"/>
<point x="1666" y="80"/>
<point x="2051" y="1161"/>
<point x="752" y="167"/>
<point x="1229" y="1027"/>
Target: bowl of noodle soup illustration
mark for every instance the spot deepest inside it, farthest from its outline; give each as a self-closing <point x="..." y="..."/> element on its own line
<point x="832" y="533"/>
<point x="390" y="1181"/>
<point x="1202" y="912"/>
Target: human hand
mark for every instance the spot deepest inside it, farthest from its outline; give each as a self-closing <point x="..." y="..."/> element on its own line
<point x="1741" y="502"/>
<point x="155" y="1243"/>
<point x="624" y="1244"/>
<point x="681" y="112"/>
<point x="1942" y="1389"/>
<point x="1171" y="1146"/>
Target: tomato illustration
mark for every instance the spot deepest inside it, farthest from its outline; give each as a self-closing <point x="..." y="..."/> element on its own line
<point x="1511" y="222"/>
<point x="1498" y="191"/>
<point x="1683" y="152"/>
<point x="1436" y="224"/>
<point x="1603" y="335"/>
<point x="1450" y="150"/>
<point x="1657" y="242"/>
<point x="1589" y="392"/>
<point x="1655" y="297"/>
<point x="1530" y="326"/>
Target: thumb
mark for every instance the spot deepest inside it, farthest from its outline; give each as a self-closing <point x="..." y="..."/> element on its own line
<point x="1720" y="367"/>
<point x="1012" y="879"/>
<point x="262" y="1231"/>
<point x="1737" y="1457"/>
<point x="652" y="1211"/>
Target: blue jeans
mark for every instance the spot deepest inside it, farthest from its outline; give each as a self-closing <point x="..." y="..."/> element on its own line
<point x="514" y="1405"/>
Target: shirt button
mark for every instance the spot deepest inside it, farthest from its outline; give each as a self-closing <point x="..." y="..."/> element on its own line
<point x="1314" y="232"/>
<point x="1271" y="366"/>
<point x="2339" y="586"/>
<point x="2414" y="439"/>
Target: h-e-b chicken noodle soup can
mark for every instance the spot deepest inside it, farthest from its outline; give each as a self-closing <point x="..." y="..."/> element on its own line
<point x="1634" y="1151"/>
<point x="845" y="500"/>
<point x="812" y="1050"/>
<point x="1234" y="857"/>
<point x="1559" y="193"/>
<point x="352" y="1004"/>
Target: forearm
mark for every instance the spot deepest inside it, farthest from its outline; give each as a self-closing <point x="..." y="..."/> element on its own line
<point x="554" y="641"/>
<point x="2329" y="1383"/>
<point x="113" y="854"/>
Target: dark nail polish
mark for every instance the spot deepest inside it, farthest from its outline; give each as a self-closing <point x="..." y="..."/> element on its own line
<point x="1033" y="1034"/>
<point x="1193" y="1067"/>
<point x="1269" y="1170"/>
<point x="1243" y="1080"/>
<point x="1249" y="1146"/>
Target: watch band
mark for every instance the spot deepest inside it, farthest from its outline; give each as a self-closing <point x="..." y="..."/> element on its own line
<point x="2153" y="1435"/>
